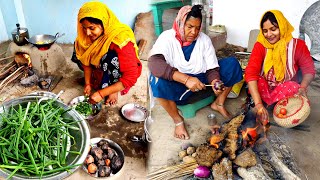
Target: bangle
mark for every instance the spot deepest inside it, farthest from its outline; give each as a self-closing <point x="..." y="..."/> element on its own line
<point x="100" y="94"/>
<point x="88" y="85"/>
<point x="302" y="87"/>
<point x="179" y="123"/>
<point x="258" y="104"/>
<point x="185" y="81"/>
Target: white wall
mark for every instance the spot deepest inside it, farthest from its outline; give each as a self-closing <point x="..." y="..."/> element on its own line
<point x="3" y="30"/>
<point x="240" y="17"/>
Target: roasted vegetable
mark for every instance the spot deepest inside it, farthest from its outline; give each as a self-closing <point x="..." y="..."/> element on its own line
<point x="92" y="168"/>
<point x="104" y="171"/>
<point x="116" y="164"/>
<point x="96" y="152"/>
<point x="218" y="85"/>
<point x="102" y="142"/>
<point x="89" y="159"/>
<point x="111" y="153"/>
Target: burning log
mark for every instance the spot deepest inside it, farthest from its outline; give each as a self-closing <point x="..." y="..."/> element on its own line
<point x="230" y="133"/>
<point x="246" y="159"/>
<point x="253" y="173"/>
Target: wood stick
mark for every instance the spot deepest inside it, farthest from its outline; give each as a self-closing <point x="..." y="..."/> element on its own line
<point x="1" y="54"/>
<point x="11" y="75"/>
<point x="278" y="164"/>
<point x="2" y="59"/>
<point x="179" y="166"/>
<point x="172" y="172"/>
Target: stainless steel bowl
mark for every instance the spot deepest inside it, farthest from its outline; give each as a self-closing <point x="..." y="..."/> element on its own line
<point x="119" y="151"/>
<point x="82" y="139"/>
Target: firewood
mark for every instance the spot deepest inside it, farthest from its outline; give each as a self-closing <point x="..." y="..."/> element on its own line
<point x="253" y="173"/>
<point x="5" y="58"/>
<point x="286" y="173"/>
<point x="13" y="76"/>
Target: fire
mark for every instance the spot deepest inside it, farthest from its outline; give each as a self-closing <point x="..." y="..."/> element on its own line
<point x="250" y="136"/>
<point x="215" y="139"/>
<point x="28" y="58"/>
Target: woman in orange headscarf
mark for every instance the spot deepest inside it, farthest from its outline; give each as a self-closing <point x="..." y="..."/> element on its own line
<point x="277" y="62"/>
<point x="106" y="50"/>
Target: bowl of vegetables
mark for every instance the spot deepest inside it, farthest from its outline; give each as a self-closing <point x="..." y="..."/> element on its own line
<point x="41" y="139"/>
<point x="84" y="108"/>
<point x="105" y="158"/>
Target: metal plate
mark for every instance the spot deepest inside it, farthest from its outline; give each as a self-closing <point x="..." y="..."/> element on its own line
<point x="134" y="112"/>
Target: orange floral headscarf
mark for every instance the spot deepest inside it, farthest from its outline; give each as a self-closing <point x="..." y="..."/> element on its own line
<point x="114" y="32"/>
<point x="277" y="53"/>
<point x="179" y="22"/>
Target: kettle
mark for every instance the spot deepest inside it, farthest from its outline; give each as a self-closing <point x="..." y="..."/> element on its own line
<point x="19" y="35"/>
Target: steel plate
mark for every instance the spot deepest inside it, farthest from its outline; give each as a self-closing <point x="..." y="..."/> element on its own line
<point x="134" y="112"/>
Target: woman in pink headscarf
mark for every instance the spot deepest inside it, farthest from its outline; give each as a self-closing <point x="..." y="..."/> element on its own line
<point x="183" y="58"/>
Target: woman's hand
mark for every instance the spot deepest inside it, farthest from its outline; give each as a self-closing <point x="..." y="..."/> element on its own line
<point x="302" y="91"/>
<point x="87" y="90"/>
<point x="194" y="84"/>
<point x="112" y="99"/>
<point x="216" y="92"/>
<point x="262" y="113"/>
<point x="95" y="98"/>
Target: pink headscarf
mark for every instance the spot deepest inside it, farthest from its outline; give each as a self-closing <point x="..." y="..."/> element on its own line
<point x="179" y="22"/>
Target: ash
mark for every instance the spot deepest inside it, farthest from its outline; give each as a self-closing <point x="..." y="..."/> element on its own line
<point x="282" y="152"/>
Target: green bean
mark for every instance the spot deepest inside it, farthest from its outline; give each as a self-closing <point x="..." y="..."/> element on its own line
<point x="20" y="128"/>
<point x="30" y="155"/>
<point x="15" y="170"/>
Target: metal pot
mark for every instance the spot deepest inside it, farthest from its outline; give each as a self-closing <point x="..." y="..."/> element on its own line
<point x="19" y="35"/>
<point x="82" y="138"/>
<point x="43" y="41"/>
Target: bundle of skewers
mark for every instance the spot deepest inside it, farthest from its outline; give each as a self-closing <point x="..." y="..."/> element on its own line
<point x="173" y="172"/>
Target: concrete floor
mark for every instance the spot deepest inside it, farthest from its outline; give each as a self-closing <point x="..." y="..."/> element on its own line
<point x="134" y="168"/>
<point x="304" y="146"/>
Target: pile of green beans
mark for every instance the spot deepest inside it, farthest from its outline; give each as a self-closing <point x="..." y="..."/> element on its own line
<point x="34" y="139"/>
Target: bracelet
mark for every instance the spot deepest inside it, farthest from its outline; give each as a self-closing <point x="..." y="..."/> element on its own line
<point x="88" y="85"/>
<point x="302" y="87"/>
<point x="179" y="123"/>
<point x="258" y="104"/>
<point x="100" y="94"/>
<point x="185" y="81"/>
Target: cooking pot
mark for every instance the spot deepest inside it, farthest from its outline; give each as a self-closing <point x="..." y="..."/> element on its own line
<point x="19" y="35"/>
<point x="43" y="41"/>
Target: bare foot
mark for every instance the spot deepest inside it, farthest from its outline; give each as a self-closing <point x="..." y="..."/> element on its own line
<point x="220" y="108"/>
<point x="112" y="99"/>
<point x="180" y="131"/>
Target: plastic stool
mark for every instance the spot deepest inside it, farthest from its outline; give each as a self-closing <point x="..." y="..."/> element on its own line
<point x="189" y="110"/>
<point x="159" y="6"/>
